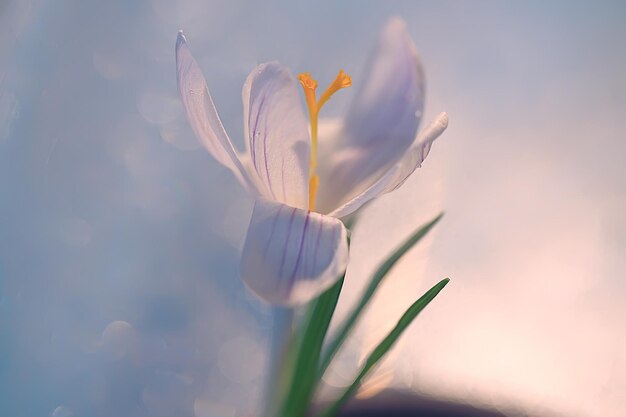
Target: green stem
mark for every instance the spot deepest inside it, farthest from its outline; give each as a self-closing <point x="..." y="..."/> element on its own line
<point x="282" y="334"/>
<point x="304" y="378"/>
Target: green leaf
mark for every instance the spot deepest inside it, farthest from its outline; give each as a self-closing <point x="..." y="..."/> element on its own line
<point x="346" y="327"/>
<point x="306" y="360"/>
<point x="383" y="347"/>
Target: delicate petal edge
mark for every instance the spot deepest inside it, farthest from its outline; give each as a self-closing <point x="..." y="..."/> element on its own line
<point x="401" y="171"/>
<point x="202" y="114"/>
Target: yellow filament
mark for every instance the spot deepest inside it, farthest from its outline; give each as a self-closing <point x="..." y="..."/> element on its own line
<point x="342" y="80"/>
<point x="309" y="85"/>
<point x="314" y="182"/>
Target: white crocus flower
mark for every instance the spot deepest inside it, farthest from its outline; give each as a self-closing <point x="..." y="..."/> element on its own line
<point x="296" y="246"/>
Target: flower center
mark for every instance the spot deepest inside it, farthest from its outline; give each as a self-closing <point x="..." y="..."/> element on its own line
<point x="309" y="85"/>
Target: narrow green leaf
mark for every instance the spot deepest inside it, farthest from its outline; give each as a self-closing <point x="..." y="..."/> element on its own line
<point x="306" y="361"/>
<point x="346" y="327"/>
<point x="383" y="347"/>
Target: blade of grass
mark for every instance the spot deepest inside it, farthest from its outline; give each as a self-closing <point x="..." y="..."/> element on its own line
<point x="348" y="324"/>
<point x="304" y="377"/>
<point x="383" y="347"/>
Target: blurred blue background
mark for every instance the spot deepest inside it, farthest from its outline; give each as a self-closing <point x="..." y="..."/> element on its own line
<point x="119" y="234"/>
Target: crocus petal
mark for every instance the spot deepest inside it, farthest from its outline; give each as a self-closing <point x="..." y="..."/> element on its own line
<point x="398" y="174"/>
<point x="382" y="121"/>
<point x="292" y="255"/>
<point x="277" y="134"/>
<point x="389" y="104"/>
<point x="202" y="114"/>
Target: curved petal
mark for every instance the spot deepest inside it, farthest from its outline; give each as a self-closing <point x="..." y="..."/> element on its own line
<point x="277" y="134"/>
<point x="399" y="173"/>
<point x="389" y="104"/>
<point x="292" y="255"/>
<point x="382" y="121"/>
<point x="202" y="114"/>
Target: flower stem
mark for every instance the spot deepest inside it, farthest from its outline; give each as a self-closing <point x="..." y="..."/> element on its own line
<point x="303" y="377"/>
<point x="282" y="331"/>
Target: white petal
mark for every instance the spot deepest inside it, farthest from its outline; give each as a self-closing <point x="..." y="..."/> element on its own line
<point x="292" y="255"/>
<point x="390" y="102"/>
<point x="202" y="114"/>
<point x="399" y="173"/>
<point x="383" y="119"/>
<point x="277" y="134"/>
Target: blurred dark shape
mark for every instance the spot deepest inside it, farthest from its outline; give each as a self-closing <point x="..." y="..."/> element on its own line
<point x="400" y="404"/>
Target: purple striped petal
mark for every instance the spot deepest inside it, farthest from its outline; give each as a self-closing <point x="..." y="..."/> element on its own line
<point x="202" y="114"/>
<point x="292" y="255"/>
<point x="401" y="171"/>
<point x="277" y="134"/>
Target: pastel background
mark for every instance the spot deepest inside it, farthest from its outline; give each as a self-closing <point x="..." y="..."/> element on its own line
<point x="119" y="235"/>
